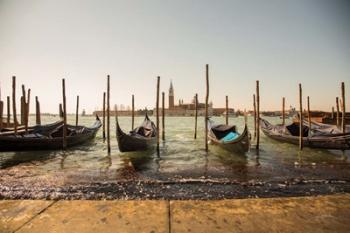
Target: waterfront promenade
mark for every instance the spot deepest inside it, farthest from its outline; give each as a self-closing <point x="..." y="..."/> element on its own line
<point x="297" y="214"/>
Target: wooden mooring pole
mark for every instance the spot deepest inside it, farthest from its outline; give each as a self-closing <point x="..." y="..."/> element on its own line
<point x="27" y="107"/>
<point x="195" y="115"/>
<point x="23" y="104"/>
<point x="14" y="103"/>
<point x="157" y="112"/>
<point x="8" y="111"/>
<point x="254" y="106"/>
<point x="108" y="116"/>
<point x="300" y="118"/>
<point x="64" y="114"/>
<point x="163" y="116"/>
<point x="226" y="110"/>
<point x="258" y="115"/>
<point x="309" y="115"/>
<point x="104" y="117"/>
<point x="37" y="111"/>
<point x="22" y="110"/>
<point x="332" y="113"/>
<point x="77" y="112"/>
<point x="1" y="112"/>
<point x="283" y="111"/>
<point x="343" y="123"/>
<point x="132" y="112"/>
<point x="206" y="106"/>
<point x="337" y="105"/>
<point x="60" y="111"/>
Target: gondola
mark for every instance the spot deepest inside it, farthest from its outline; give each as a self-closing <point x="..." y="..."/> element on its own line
<point x="322" y="128"/>
<point x="141" y="138"/>
<point x="316" y="139"/>
<point x="227" y="137"/>
<point x="47" y="137"/>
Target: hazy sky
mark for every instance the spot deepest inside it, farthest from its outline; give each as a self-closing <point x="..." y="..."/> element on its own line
<point x="279" y="42"/>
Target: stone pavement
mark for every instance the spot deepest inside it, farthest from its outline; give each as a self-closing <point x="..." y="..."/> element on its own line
<point x="297" y="214"/>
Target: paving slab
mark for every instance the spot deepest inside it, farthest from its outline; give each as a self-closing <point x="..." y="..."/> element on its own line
<point x="102" y="216"/>
<point x="15" y="213"/>
<point x="302" y="214"/>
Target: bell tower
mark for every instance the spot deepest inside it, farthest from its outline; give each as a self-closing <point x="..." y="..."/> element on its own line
<point x="171" y="96"/>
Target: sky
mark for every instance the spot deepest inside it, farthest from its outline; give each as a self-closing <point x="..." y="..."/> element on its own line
<point x="279" y="42"/>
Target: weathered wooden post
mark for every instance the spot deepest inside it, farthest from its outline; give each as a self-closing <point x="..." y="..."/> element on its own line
<point x="343" y="123"/>
<point x="108" y="116"/>
<point x="332" y="113"/>
<point x="8" y="111"/>
<point x="60" y="110"/>
<point x="163" y="116"/>
<point x="258" y="116"/>
<point x="27" y="105"/>
<point x="309" y="115"/>
<point x="300" y="118"/>
<point x="283" y="111"/>
<point x="254" y="106"/>
<point x="132" y="112"/>
<point x="116" y="115"/>
<point x="226" y="110"/>
<point x="206" y="106"/>
<point x="14" y="103"/>
<point x="64" y="114"/>
<point x="337" y="104"/>
<point x="77" y="112"/>
<point x="1" y="112"/>
<point x="157" y="112"/>
<point x="37" y="111"/>
<point x="22" y="110"/>
<point x="195" y="115"/>
<point x="104" y="117"/>
<point x="23" y="106"/>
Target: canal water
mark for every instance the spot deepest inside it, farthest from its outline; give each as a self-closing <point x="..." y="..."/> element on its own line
<point x="183" y="169"/>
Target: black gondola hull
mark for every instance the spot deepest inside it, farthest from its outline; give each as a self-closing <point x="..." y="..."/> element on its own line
<point x="327" y="141"/>
<point x="239" y="145"/>
<point x="135" y="141"/>
<point x="23" y="142"/>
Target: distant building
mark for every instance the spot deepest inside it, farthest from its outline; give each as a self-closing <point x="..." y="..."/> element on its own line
<point x="182" y="109"/>
<point x="171" y="96"/>
<point x="188" y="109"/>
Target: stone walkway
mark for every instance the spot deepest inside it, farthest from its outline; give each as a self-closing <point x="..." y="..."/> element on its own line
<point x="300" y="214"/>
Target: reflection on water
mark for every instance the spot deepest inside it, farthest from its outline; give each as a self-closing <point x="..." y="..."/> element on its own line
<point x="180" y="156"/>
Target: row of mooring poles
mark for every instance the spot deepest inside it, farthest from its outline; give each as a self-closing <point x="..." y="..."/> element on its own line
<point x="25" y="109"/>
